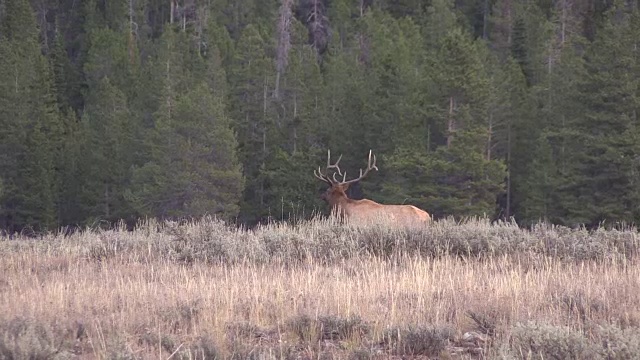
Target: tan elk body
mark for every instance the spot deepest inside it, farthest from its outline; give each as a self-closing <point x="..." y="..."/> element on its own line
<point x="364" y="210"/>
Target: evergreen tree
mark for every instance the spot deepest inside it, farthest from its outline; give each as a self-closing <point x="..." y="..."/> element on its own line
<point x="113" y="114"/>
<point x="545" y="141"/>
<point x="293" y="190"/>
<point x="67" y="79"/>
<point x="439" y="19"/>
<point x="501" y="26"/>
<point x="509" y="136"/>
<point x="396" y="68"/>
<point x="109" y="150"/>
<point x="69" y="203"/>
<point x="193" y="168"/>
<point x="540" y="113"/>
<point x="236" y="15"/>
<point x="252" y="79"/>
<point x="301" y="101"/>
<point x="299" y="113"/>
<point x="456" y="181"/>
<point x="402" y="8"/>
<point x="529" y="40"/>
<point x="373" y="89"/>
<point x="606" y="185"/>
<point x="30" y="129"/>
<point x="455" y="177"/>
<point x="109" y="56"/>
<point x="340" y="15"/>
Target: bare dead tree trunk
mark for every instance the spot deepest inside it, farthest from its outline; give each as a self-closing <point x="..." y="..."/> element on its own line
<point x="490" y="136"/>
<point x="485" y="12"/>
<point x="276" y="90"/>
<point x="563" y="22"/>
<point x="16" y="84"/>
<point x="451" y="126"/>
<point x="507" y="210"/>
<point x="550" y="59"/>
<point x="201" y="21"/>
<point x="169" y="92"/>
<point x="562" y="147"/>
<point x="557" y="43"/>
<point x="173" y="8"/>
<point x="317" y="23"/>
<point x="284" y="42"/>
<point x="43" y="26"/>
<point x="510" y="22"/>
<point x="264" y="136"/>
<point x="428" y="137"/>
<point x="295" y="125"/>
<point x="133" y="29"/>
<point x="106" y="200"/>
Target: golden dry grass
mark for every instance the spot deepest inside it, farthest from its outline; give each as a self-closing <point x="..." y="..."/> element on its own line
<point x="59" y="299"/>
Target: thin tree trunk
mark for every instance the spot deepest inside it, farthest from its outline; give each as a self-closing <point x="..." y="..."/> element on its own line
<point x="276" y="90"/>
<point x="264" y="136"/>
<point x="489" y="139"/>
<point x="562" y="147"/>
<point x="295" y="125"/>
<point x="106" y="201"/>
<point x="563" y="22"/>
<point x="485" y="11"/>
<point x="132" y="32"/>
<point x="173" y="6"/>
<point x="550" y="61"/>
<point x="43" y="26"/>
<point x="510" y="22"/>
<point x="451" y="123"/>
<point x="507" y="210"/>
<point x="16" y="86"/>
<point x="169" y="90"/>
<point x="428" y="137"/>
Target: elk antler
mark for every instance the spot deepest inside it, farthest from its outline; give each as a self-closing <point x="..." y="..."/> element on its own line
<point x="325" y="177"/>
<point x="370" y="165"/>
<point x="332" y="180"/>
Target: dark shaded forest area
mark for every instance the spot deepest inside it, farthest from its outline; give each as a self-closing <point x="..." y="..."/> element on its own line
<point x="120" y="109"/>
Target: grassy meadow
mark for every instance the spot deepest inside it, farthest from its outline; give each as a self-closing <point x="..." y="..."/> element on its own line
<point x="322" y="290"/>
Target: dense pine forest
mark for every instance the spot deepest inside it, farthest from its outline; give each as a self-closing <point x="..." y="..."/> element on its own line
<point x="121" y="109"/>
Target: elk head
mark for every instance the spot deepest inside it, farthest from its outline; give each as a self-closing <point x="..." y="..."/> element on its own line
<point x="336" y="194"/>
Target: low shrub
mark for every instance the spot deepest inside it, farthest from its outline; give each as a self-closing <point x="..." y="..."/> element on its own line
<point x="429" y="341"/>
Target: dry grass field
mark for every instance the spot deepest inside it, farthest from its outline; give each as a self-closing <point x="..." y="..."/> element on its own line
<point x="321" y="290"/>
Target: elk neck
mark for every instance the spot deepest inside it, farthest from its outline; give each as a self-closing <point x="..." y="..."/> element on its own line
<point x="339" y="199"/>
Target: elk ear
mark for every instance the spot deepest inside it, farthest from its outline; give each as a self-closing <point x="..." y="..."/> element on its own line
<point x="345" y="187"/>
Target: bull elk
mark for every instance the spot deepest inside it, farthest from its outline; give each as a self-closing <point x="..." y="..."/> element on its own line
<point x="365" y="209"/>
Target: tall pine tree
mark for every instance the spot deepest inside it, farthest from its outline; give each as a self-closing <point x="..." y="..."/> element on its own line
<point x="30" y="127"/>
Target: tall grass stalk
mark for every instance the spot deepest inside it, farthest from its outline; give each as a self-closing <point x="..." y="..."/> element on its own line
<point x="202" y="289"/>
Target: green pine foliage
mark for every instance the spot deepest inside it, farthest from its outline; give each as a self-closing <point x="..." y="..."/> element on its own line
<point x="509" y="108"/>
<point x="193" y="168"/>
<point x="293" y="193"/>
<point x="252" y="79"/>
<point x="108" y="149"/>
<point x="447" y="181"/>
<point x="606" y="168"/>
<point x="30" y="135"/>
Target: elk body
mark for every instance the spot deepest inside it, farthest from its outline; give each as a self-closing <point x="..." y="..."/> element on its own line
<point x="364" y="210"/>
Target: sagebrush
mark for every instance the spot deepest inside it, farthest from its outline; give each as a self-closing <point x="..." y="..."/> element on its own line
<point x="204" y="289"/>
